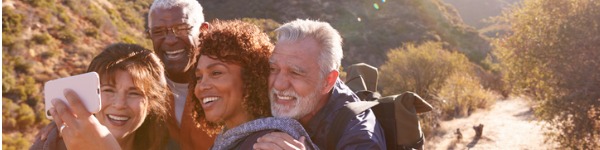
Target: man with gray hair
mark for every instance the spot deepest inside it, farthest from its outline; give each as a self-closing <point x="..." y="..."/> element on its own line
<point x="174" y="26"/>
<point x="305" y="86"/>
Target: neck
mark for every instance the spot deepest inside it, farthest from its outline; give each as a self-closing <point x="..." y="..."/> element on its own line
<point x="177" y="77"/>
<point x="127" y="142"/>
<point x="238" y="120"/>
<point x="322" y="102"/>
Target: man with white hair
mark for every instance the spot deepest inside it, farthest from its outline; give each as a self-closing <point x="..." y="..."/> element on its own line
<point x="174" y="26"/>
<point x="305" y="86"/>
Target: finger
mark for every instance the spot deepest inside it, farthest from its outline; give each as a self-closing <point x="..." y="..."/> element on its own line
<point x="266" y="146"/>
<point x="282" y="140"/>
<point x="75" y="102"/>
<point x="46" y="131"/>
<point x="62" y="114"/>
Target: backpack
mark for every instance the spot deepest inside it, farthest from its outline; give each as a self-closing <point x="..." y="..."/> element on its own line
<point x="397" y="114"/>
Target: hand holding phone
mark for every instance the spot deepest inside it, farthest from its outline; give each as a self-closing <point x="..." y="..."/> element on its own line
<point x="87" y="87"/>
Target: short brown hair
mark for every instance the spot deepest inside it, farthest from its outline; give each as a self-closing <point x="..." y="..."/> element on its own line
<point x="147" y="73"/>
<point x="244" y="44"/>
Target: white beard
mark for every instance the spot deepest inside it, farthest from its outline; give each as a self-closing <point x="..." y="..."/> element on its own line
<point x="300" y="108"/>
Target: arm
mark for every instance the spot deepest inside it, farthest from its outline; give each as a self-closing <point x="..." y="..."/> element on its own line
<point x="362" y="132"/>
<point x="279" y="140"/>
<point x="82" y="129"/>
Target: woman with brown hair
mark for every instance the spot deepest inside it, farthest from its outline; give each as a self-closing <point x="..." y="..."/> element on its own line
<point x="231" y="88"/>
<point x="134" y="104"/>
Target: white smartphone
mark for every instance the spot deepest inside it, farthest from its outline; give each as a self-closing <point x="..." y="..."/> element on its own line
<point x="86" y="85"/>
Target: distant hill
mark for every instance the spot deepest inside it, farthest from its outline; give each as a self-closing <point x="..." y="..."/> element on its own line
<point x="369" y="28"/>
<point x="474" y="12"/>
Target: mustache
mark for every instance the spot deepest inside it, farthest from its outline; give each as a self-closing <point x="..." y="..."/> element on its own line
<point x="288" y="92"/>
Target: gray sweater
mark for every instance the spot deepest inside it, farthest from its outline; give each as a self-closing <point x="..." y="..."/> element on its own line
<point x="231" y="138"/>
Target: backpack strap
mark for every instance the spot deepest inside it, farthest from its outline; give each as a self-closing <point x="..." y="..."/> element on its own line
<point x="342" y="118"/>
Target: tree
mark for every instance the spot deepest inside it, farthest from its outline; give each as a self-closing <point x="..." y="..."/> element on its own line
<point x="553" y="55"/>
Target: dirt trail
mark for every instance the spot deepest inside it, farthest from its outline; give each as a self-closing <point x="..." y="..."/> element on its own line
<point x="509" y="124"/>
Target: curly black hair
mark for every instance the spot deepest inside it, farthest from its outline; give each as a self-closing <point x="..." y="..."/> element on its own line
<point x="244" y="44"/>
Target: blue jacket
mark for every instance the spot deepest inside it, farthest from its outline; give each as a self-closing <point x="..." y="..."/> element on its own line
<point x="362" y="132"/>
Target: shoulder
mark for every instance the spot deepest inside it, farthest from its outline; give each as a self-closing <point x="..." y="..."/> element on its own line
<point x="251" y="139"/>
<point x="363" y="132"/>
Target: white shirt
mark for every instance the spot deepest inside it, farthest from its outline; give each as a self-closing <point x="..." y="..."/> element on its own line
<point x="180" y="91"/>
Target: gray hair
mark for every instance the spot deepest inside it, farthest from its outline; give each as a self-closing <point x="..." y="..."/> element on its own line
<point x="190" y="7"/>
<point x="330" y="57"/>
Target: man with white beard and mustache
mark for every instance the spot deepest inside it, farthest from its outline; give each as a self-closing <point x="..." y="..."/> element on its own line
<point x="305" y="86"/>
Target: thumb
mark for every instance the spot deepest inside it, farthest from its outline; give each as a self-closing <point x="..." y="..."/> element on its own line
<point x="302" y="139"/>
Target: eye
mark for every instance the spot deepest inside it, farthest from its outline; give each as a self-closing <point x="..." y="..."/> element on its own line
<point x="135" y="94"/>
<point x="273" y="69"/>
<point x="157" y="31"/>
<point x="216" y="73"/>
<point x="198" y="78"/>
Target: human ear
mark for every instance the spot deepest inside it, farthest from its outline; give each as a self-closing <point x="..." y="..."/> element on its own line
<point x="330" y="79"/>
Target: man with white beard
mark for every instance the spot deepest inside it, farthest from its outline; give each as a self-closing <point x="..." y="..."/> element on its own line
<point x="305" y="86"/>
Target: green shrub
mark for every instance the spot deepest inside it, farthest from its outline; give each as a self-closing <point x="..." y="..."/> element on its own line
<point x="42" y="39"/>
<point x="9" y="117"/>
<point x="67" y="36"/>
<point x="16" y="141"/>
<point x="462" y="94"/>
<point x="11" y="21"/>
<point x="91" y="32"/>
<point x="26" y="117"/>
<point x="553" y="55"/>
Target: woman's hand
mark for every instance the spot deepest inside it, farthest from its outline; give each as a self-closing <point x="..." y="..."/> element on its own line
<point x="78" y="127"/>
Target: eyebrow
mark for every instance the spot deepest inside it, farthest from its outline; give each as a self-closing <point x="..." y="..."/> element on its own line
<point x="213" y="65"/>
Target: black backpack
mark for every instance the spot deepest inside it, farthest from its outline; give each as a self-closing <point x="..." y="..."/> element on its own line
<point x="397" y="114"/>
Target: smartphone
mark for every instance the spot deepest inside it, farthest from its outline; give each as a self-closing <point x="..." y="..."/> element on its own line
<point x="86" y="85"/>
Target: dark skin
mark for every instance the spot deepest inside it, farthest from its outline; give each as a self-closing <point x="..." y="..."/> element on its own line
<point x="177" y="52"/>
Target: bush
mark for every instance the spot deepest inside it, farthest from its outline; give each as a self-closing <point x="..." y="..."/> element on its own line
<point x="553" y="55"/>
<point x="422" y="69"/>
<point x="11" y="21"/>
<point x="42" y="39"/>
<point x="462" y="94"/>
<point x="16" y="141"/>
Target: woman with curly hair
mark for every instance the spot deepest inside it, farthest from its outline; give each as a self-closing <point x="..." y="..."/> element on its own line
<point x="231" y="88"/>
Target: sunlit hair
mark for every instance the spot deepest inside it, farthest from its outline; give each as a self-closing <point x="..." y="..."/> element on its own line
<point x="147" y="73"/>
<point x="246" y="45"/>
<point x="330" y="57"/>
<point x="192" y="8"/>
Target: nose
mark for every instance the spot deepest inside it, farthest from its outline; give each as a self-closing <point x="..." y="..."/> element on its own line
<point x="120" y="101"/>
<point x="170" y="38"/>
<point x="279" y="82"/>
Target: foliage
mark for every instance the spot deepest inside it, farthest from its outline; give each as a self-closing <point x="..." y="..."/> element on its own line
<point x="436" y="75"/>
<point x="553" y="55"/>
<point x="462" y="94"/>
<point x="266" y="25"/>
<point x="422" y="69"/>
<point x="15" y="141"/>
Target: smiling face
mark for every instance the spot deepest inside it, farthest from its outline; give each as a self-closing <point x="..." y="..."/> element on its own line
<point x="177" y="52"/>
<point x="295" y="84"/>
<point x="219" y="88"/>
<point x="124" y="107"/>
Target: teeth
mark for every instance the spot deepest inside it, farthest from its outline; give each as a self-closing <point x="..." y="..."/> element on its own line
<point x="118" y="118"/>
<point x="207" y="100"/>
<point x="174" y="52"/>
<point x="284" y="97"/>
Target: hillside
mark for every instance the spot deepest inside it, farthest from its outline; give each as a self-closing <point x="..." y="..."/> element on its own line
<point x="369" y="28"/>
<point x="475" y="12"/>
<point x="48" y="39"/>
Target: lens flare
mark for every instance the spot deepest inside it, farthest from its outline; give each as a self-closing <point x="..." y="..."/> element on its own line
<point x="376" y="6"/>
<point x="383" y="1"/>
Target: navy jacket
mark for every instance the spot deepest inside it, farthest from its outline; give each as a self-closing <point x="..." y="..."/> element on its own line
<point x="362" y="132"/>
